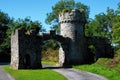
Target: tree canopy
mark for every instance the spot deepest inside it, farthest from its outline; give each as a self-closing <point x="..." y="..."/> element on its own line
<point x="26" y="24"/>
<point x="116" y="27"/>
<point x="4" y="21"/>
<point x="4" y="18"/>
<point x="106" y="25"/>
<point x="7" y="25"/>
<point x="52" y="17"/>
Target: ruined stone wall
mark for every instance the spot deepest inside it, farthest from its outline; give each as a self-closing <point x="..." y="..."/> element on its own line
<point x="29" y="46"/>
<point x="102" y="45"/>
<point x="71" y="26"/>
<point x="14" y="50"/>
<point x="25" y="50"/>
<point x="26" y="47"/>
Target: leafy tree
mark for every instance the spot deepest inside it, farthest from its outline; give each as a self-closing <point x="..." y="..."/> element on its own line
<point x="4" y="21"/>
<point x="26" y="24"/>
<point x="50" y="44"/>
<point x="116" y="28"/>
<point x="106" y="25"/>
<point x="4" y="18"/>
<point x="116" y="33"/>
<point x="52" y="17"/>
<point x="91" y="28"/>
<point x="101" y="25"/>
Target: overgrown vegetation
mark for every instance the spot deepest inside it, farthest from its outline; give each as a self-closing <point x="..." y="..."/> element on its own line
<point x="50" y="55"/>
<point x="111" y="63"/>
<point x="97" y="69"/>
<point x="50" y="51"/>
<point x="42" y="74"/>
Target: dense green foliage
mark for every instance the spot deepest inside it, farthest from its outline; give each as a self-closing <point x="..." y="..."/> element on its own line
<point x="26" y="24"/>
<point x="43" y="74"/>
<point x="101" y="25"/>
<point x="4" y="40"/>
<point x="4" y="18"/>
<point x="105" y="25"/>
<point x="7" y="25"/>
<point x="116" y="27"/>
<point x="61" y="6"/>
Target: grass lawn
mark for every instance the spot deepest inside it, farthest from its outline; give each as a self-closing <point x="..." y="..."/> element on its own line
<point x="94" y="68"/>
<point x="46" y="74"/>
<point x="49" y="63"/>
<point x="40" y="74"/>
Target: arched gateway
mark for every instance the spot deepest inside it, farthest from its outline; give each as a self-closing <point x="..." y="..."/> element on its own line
<point x="72" y="48"/>
<point x="26" y="46"/>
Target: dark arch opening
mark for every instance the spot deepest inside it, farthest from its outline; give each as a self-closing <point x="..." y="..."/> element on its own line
<point x="27" y="61"/>
<point x="92" y="55"/>
<point x="63" y="44"/>
<point x="50" y="52"/>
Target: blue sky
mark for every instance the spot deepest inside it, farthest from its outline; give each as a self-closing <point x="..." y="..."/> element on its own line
<point x="37" y="9"/>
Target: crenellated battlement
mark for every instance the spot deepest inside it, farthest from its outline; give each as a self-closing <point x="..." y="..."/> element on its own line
<point x="73" y="16"/>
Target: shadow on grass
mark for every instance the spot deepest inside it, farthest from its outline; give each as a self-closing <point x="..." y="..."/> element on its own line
<point x="54" y="67"/>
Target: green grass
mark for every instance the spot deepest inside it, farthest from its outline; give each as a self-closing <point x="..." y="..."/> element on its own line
<point x="50" y="63"/>
<point x="109" y="73"/>
<point x="97" y="69"/>
<point x="40" y="74"/>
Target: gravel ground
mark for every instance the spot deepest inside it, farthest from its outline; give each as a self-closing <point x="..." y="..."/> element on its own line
<point x="4" y="75"/>
<point x="73" y="74"/>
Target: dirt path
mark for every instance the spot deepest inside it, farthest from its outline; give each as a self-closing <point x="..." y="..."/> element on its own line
<point x="73" y="74"/>
<point x="4" y="75"/>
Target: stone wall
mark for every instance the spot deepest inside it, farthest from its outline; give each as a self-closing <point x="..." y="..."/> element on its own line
<point x="25" y="50"/>
<point x="74" y="49"/>
<point x="14" y="50"/>
<point x="102" y="45"/>
<point x="71" y="26"/>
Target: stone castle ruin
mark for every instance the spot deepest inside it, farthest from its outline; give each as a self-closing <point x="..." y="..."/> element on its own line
<point x="26" y="46"/>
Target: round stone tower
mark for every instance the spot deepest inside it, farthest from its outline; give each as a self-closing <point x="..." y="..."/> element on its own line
<point x="71" y="26"/>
